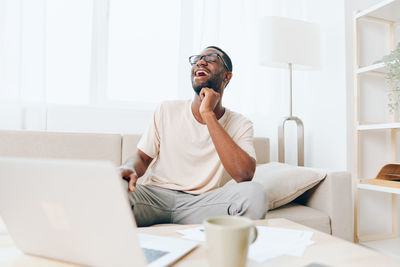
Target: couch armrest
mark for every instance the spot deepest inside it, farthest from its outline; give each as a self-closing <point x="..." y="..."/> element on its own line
<point x="333" y="196"/>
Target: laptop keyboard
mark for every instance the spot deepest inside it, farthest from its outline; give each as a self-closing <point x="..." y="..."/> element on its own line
<point x="153" y="254"/>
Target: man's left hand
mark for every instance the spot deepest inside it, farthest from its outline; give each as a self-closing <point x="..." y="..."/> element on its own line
<point x="209" y="100"/>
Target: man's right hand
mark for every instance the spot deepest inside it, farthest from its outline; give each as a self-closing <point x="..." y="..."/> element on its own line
<point x="130" y="176"/>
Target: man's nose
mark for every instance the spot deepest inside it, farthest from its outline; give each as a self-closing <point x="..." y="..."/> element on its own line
<point x="201" y="62"/>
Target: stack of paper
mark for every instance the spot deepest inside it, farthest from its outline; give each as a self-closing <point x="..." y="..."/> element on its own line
<point x="271" y="242"/>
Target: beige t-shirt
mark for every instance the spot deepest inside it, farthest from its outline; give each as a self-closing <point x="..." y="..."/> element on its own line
<point x="184" y="155"/>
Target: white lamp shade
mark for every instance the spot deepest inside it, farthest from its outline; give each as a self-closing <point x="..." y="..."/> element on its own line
<point x="284" y="41"/>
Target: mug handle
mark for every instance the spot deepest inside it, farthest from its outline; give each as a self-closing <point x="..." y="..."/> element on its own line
<point x="253" y="235"/>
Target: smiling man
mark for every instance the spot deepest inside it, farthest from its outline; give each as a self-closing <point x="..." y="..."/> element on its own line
<point x="187" y="147"/>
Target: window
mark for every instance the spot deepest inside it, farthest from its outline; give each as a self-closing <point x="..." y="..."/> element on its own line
<point x="143" y="50"/>
<point x="68" y="36"/>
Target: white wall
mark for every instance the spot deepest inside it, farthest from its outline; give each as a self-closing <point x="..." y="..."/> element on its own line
<point x="319" y="96"/>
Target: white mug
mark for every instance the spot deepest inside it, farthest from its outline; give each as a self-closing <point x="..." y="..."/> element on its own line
<point x="228" y="239"/>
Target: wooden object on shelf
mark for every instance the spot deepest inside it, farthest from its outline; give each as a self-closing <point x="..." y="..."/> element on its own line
<point x="388" y="176"/>
<point x="386" y="183"/>
<point x="389" y="172"/>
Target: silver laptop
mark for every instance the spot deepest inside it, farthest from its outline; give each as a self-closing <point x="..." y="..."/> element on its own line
<point x="78" y="211"/>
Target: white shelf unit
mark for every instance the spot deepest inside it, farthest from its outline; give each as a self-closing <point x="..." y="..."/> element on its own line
<point x="378" y="67"/>
<point x="386" y="12"/>
<point x="378" y="126"/>
<point x="384" y="239"/>
<point x="378" y="188"/>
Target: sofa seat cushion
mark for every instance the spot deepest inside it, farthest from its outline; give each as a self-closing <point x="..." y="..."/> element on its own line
<point x="303" y="215"/>
<point x="297" y="213"/>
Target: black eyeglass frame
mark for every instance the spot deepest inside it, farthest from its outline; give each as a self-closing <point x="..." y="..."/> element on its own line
<point x="203" y="56"/>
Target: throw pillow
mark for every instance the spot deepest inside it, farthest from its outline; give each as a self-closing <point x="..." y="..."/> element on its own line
<point x="283" y="182"/>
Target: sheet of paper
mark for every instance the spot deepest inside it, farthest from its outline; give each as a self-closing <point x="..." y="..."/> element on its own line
<point x="271" y="242"/>
<point x="196" y="234"/>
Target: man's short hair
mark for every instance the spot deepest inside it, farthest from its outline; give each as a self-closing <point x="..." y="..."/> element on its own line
<point x="225" y="56"/>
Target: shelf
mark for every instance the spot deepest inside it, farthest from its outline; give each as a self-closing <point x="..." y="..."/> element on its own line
<point x="378" y="188"/>
<point x="387" y="10"/>
<point x="378" y="126"/>
<point x="390" y="247"/>
<point x="379" y="67"/>
<point x="378" y="18"/>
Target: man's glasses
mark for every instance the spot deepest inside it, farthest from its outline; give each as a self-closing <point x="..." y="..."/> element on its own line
<point x="210" y="58"/>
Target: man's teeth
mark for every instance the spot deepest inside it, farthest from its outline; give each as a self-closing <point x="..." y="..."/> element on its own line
<point x="201" y="73"/>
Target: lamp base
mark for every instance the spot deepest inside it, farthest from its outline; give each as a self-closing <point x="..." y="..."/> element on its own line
<point x="300" y="140"/>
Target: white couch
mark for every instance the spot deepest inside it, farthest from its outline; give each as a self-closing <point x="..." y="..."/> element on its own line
<point x="326" y="207"/>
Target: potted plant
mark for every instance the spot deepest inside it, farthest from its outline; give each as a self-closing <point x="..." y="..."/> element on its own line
<point x="392" y="65"/>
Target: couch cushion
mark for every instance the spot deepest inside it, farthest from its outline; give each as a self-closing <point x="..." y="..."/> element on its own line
<point x="129" y="145"/>
<point x="297" y="213"/>
<point x="37" y="144"/>
<point x="283" y="182"/>
<point x="261" y="145"/>
<point x="303" y="215"/>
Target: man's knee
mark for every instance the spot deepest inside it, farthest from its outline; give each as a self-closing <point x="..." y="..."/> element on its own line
<point x="151" y="205"/>
<point x="250" y="200"/>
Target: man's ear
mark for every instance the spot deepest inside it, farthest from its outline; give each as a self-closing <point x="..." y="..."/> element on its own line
<point x="228" y="77"/>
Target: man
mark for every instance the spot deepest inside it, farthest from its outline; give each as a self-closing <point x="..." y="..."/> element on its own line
<point x="190" y="144"/>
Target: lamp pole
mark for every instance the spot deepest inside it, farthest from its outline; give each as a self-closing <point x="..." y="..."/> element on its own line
<point x="300" y="130"/>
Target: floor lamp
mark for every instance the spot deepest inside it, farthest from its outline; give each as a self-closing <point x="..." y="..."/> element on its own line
<point x="289" y="43"/>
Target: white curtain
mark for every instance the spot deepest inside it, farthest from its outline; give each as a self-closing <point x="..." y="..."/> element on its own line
<point x="120" y="52"/>
<point x="45" y="50"/>
<point x="129" y="54"/>
<point x="44" y="58"/>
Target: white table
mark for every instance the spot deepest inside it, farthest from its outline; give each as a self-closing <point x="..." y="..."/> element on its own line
<point x="327" y="250"/>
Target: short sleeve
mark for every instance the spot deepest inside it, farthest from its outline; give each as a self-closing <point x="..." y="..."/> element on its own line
<point x="150" y="141"/>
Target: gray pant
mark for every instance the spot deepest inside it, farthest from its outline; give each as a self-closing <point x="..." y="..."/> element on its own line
<point x="154" y="205"/>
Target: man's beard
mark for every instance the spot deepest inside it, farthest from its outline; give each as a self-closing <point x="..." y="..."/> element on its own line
<point x="213" y="83"/>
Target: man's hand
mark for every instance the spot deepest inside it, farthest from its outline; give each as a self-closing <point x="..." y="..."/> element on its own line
<point x="209" y="100"/>
<point x="129" y="174"/>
